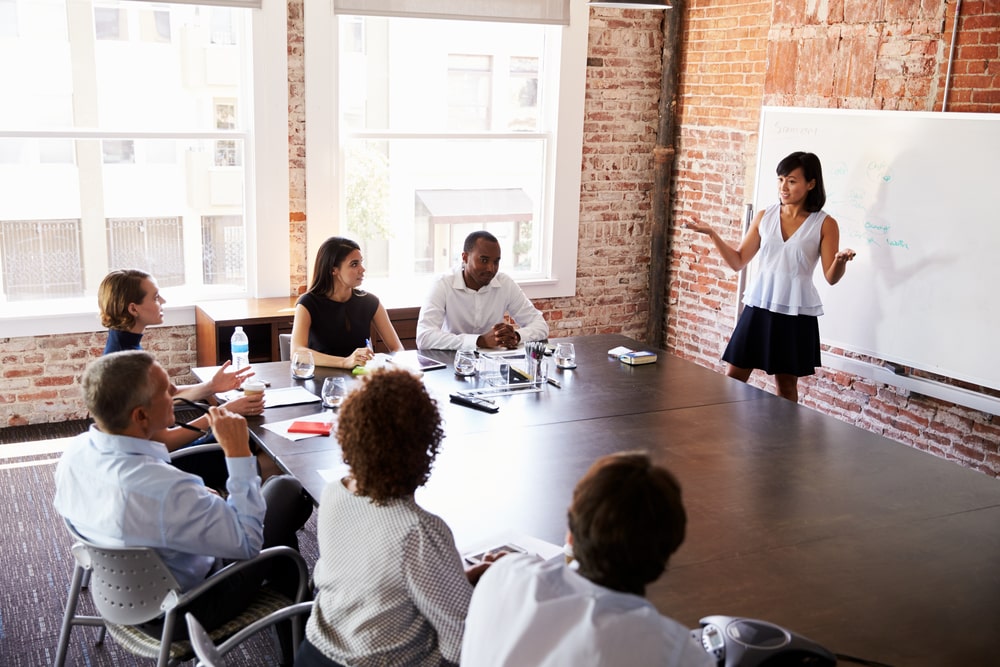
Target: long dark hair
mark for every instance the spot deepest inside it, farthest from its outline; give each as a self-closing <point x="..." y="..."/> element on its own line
<point x="812" y="170"/>
<point x="329" y="256"/>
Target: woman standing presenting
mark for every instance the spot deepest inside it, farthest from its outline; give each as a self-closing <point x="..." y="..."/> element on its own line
<point x="778" y="330"/>
<point x="334" y="318"/>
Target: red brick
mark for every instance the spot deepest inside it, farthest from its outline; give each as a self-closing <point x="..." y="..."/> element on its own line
<point x="33" y="371"/>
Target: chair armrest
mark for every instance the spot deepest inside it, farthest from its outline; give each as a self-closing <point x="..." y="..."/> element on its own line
<point x="234" y="568"/>
<point x="193" y="450"/>
<point x="300" y="608"/>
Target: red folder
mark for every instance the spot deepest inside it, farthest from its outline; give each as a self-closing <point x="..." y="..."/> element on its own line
<point x="316" y="428"/>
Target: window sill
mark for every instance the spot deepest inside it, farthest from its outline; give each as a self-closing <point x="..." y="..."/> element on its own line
<point x="72" y="317"/>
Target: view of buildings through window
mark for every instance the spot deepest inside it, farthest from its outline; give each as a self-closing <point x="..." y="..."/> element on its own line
<point x="444" y="130"/>
<point x="125" y="148"/>
<point x="128" y="145"/>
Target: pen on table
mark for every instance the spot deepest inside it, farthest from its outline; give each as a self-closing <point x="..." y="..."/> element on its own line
<point x="554" y="382"/>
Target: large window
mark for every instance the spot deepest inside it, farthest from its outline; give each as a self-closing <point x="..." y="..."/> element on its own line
<point x="441" y="127"/>
<point x="133" y="144"/>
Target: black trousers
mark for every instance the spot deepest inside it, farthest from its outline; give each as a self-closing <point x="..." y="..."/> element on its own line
<point x="310" y="656"/>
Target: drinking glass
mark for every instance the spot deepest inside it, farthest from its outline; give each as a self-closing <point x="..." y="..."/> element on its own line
<point x="303" y="366"/>
<point x="465" y="363"/>
<point x="565" y="355"/>
<point x="334" y="392"/>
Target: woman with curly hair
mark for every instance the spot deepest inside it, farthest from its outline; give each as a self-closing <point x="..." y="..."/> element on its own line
<point x="391" y="588"/>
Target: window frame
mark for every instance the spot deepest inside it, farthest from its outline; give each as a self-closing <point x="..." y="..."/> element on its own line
<point x="267" y="202"/>
<point x="325" y="214"/>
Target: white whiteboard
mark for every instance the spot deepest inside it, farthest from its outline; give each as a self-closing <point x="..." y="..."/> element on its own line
<point x="916" y="195"/>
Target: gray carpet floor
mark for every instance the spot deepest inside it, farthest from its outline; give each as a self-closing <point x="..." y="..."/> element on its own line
<point x="36" y="567"/>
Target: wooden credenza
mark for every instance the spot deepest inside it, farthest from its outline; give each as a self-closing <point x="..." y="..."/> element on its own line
<point x="263" y="320"/>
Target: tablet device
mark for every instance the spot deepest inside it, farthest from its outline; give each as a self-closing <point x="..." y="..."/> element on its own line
<point x="428" y="364"/>
<point x="417" y="361"/>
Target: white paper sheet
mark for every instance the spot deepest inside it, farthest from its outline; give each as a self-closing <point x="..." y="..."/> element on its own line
<point x="274" y="398"/>
<point x="281" y="428"/>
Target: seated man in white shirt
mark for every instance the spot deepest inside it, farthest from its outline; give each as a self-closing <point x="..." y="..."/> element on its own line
<point x="625" y="521"/>
<point x="118" y="489"/>
<point x="466" y="307"/>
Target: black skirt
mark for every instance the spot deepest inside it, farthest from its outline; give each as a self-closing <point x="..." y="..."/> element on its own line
<point x="774" y="343"/>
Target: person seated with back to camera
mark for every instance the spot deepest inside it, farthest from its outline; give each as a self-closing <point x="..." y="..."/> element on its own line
<point x="390" y="585"/>
<point x="130" y="301"/>
<point x="333" y="319"/>
<point x="116" y="487"/>
<point x="625" y="520"/>
<point x="465" y="308"/>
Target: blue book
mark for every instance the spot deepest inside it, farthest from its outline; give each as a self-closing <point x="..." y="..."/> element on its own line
<point x="638" y="358"/>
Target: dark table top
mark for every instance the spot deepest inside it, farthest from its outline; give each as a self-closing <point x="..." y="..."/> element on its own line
<point x="869" y="547"/>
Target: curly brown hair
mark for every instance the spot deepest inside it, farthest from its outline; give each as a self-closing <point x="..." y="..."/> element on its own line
<point x="390" y="432"/>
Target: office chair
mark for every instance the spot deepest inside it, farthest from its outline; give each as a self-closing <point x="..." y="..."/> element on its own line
<point x="210" y="655"/>
<point x="132" y="585"/>
<point x="285" y="347"/>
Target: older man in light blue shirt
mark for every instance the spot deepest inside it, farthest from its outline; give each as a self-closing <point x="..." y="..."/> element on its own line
<point x="118" y="488"/>
<point x="121" y="491"/>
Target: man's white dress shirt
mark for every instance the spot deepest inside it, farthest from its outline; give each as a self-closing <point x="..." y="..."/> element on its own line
<point x="454" y="316"/>
<point x="526" y="611"/>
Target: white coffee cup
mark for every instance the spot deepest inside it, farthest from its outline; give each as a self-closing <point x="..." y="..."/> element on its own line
<point x="253" y="387"/>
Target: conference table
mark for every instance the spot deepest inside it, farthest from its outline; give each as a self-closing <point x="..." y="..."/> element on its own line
<point x="871" y="548"/>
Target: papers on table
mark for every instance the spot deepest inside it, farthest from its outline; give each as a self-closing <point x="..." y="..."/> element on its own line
<point x="511" y="542"/>
<point x="274" y="398"/>
<point x="281" y="428"/>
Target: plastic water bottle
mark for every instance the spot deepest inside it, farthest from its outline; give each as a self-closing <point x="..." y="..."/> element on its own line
<point x="239" y="347"/>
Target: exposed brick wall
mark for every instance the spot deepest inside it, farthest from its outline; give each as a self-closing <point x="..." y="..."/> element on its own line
<point x="624" y="66"/>
<point x="976" y="73"/>
<point x="40" y="376"/>
<point x="885" y="54"/>
<point x="296" y="148"/>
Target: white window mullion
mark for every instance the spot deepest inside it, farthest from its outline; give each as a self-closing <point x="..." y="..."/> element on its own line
<point x="555" y="12"/>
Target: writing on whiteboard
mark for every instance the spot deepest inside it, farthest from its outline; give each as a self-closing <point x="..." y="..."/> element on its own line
<point x="914" y="194"/>
<point x="786" y="130"/>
